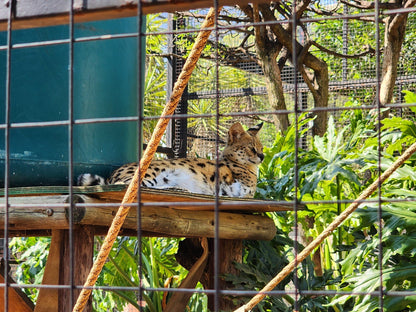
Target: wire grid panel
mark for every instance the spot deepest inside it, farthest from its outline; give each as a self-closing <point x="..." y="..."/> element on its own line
<point x="359" y="267"/>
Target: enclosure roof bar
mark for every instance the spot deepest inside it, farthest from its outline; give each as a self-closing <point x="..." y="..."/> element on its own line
<point x="230" y="292"/>
<point x="288" y="87"/>
<point x="228" y="204"/>
<point x="41" y="13"/>
<point x="39" y="124"/>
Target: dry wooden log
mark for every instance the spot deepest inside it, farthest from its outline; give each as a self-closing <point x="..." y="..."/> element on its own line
<point x="36" y="212"/>
<point x="51" y="212"/>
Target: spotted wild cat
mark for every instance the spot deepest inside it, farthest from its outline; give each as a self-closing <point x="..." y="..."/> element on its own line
<point x="237" y="169"/>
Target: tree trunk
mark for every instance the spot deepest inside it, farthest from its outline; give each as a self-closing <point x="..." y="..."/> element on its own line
<point x="395" y="30"/>
<point x="274" y="87"/>
<point x="316" y="82"/>
<point x="267" y="52"/>
<point x="320" y="97"/>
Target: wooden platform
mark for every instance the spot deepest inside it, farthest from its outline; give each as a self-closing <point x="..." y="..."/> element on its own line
<point x="46" y="211"/>
<point x="38" y="210"/>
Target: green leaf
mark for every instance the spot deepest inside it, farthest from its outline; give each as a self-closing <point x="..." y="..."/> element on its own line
<point x="410" y="98"/>
<point x="401" y="244"/>
<point x="407" y="127"/>
<point x="400" y="303"/>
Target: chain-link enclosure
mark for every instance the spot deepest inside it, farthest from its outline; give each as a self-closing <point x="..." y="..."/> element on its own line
<point x="84" y="84"/>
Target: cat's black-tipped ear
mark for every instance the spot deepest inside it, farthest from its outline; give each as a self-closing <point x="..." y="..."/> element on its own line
<point x="235" y="132"/>
<point x="255" y="129"/>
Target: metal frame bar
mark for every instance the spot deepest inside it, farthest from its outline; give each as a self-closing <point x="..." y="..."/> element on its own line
<point x="295" y="88"/>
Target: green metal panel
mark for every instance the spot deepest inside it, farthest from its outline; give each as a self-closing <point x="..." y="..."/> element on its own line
<point x="105" y="86"/>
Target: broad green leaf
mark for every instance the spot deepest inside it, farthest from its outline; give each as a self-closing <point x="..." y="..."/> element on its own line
<point x="399" y="303"/>
<point x="410" y="98"/>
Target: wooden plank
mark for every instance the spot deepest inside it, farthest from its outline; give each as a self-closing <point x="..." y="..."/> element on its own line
<point x="48" y="297"/>
<point x="57" y="270"/>
<point x="41" y="13"/>
<point x="170" y="198"/>
<point x="178" y="300"/>
<point x="53" y="190"/>
<point x="83" y="239"/>
<point x="51" y="212"/>
<point x="18" y="301"/>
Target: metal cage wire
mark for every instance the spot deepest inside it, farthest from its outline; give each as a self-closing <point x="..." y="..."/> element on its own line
<point x="295" y="90"/>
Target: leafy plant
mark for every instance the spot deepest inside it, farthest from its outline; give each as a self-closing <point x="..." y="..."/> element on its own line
<point x="159" y="269"/>
<point x="31" y="254"/>
<point x="394" y="244"/>
<point x="277" y="171"/>
<point x="262" y="260"/>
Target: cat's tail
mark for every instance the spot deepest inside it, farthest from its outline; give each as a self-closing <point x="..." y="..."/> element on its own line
<point x="88" y="179"/>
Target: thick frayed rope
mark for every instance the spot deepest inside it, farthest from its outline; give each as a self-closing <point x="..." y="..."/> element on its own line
<point x="131" y="194"/>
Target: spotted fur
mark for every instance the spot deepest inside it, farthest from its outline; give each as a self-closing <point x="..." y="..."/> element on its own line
<point x="237" y="169"/>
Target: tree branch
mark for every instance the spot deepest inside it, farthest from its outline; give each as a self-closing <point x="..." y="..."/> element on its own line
<point x="248" y="10"/>
<point x="226" y="18"/>
<point x="283" y="58"/>
<point x="259" y="31"/>
<point x="368" y="5"/>
<point x="301" y="7"/>
<point x="400" y="17"/>
<point x="306" y="77"/>
<point x="369" y="50"/>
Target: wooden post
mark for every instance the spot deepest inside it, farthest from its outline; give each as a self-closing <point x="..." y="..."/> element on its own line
<point x="83" y="259"/>
<point x="58" y="269"/>
<point x="231" y="251"/>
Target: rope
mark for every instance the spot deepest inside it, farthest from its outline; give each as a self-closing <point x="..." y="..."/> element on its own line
<point x="131" y="194"/>
<point x="337" y="221"/>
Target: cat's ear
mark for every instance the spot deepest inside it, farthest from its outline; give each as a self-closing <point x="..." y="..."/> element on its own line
<point x="254" y="130"/>
<point x="235" y="132"/>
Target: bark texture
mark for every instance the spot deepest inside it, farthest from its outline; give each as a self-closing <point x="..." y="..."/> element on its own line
<point x="275" y="40"/>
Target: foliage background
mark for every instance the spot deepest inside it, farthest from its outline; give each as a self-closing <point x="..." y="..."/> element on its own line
<point x="326" y="175"/>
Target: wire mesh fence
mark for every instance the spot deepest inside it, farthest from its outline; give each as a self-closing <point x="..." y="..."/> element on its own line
<point x="331" y="81"/>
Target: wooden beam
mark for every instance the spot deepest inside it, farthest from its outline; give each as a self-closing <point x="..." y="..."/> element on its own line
<point x="230" y="252"/>
<point x="56" y="12"/>
<point x="173" y="198"/>
<point x="51" y="212"/>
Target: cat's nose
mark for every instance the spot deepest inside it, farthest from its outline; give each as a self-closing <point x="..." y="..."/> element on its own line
<point x="261" y="156"/>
